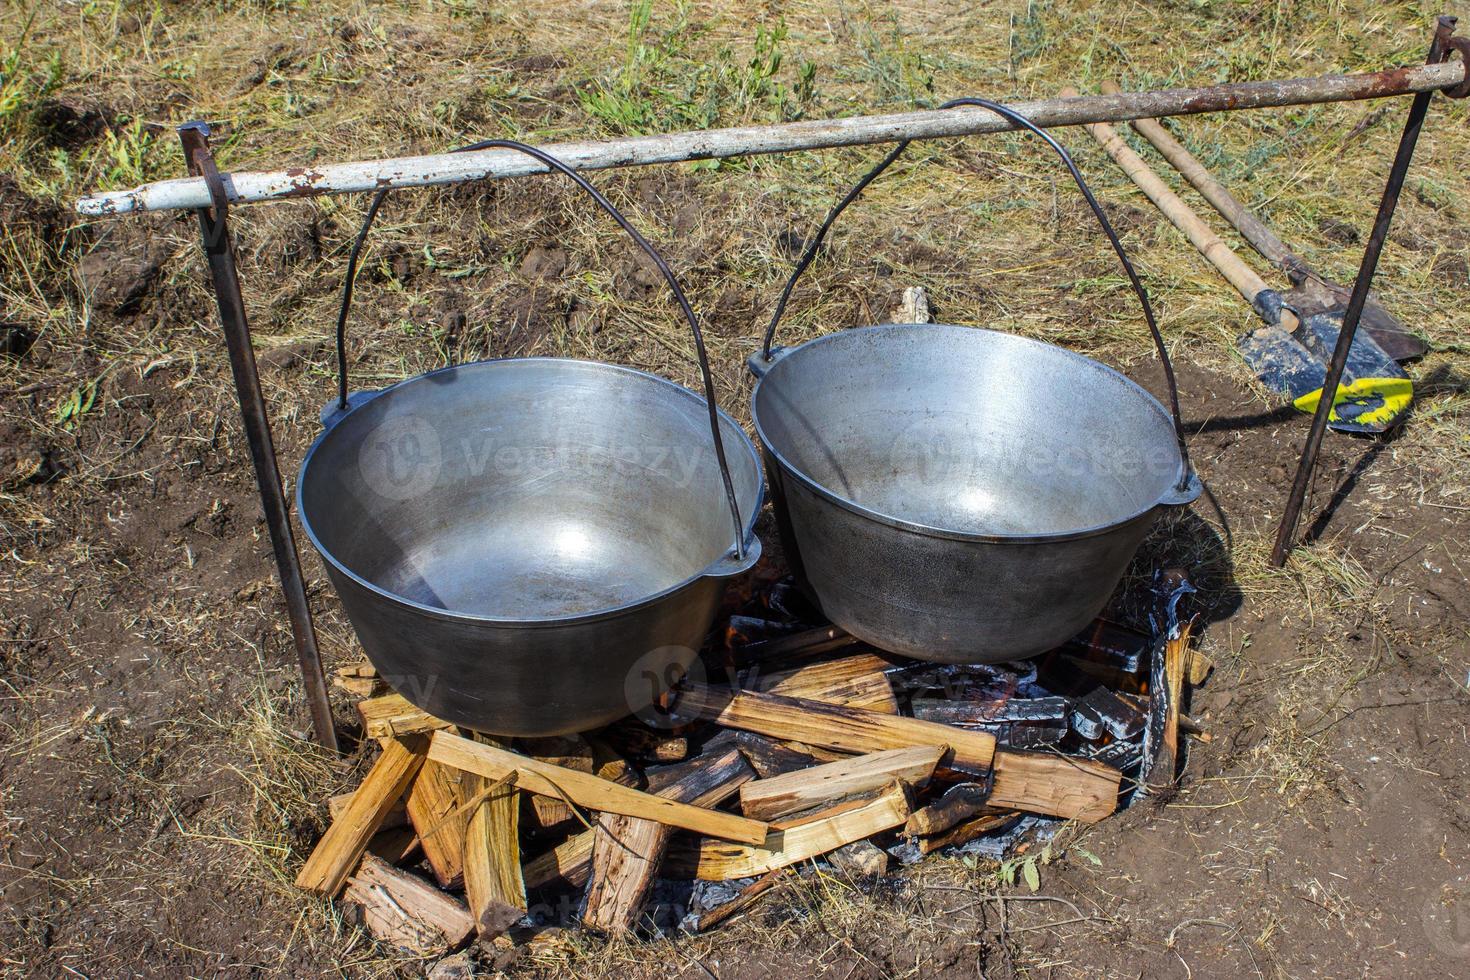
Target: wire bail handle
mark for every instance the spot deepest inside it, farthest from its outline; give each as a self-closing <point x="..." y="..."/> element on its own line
<point x="552" y="163"/>
<point x="1102" y="218"/>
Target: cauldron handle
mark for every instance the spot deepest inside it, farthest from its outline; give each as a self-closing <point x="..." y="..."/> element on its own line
<point x="1102" y="219"/>
<point x="663" y="267"/>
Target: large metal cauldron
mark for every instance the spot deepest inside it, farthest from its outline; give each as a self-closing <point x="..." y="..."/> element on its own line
<point x="532" y="546"/>
<point x="956" y="494"/>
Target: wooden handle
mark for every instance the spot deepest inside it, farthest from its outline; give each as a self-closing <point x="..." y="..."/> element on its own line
<point x="1242" y="218"/>
<point x="1210" y="245"/>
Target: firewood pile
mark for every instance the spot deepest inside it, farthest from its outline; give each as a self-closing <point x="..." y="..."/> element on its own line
<point x="789" y="743"/>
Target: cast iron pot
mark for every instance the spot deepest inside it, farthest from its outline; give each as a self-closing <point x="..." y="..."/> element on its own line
<point x="532" y="546"/>
<point x="956" y="494"/>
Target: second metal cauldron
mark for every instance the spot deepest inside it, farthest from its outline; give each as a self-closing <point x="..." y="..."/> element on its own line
<point x="956" y="494"/>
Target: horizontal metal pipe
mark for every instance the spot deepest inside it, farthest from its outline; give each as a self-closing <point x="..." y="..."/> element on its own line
<point x="447" y="168"/>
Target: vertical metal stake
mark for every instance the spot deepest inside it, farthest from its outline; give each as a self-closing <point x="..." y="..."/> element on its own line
<point x="219" y="251"/>
<point x="1287" y="530"/>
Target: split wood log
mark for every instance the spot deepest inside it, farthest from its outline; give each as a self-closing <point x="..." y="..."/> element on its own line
<point x="832" y="726"/>
<point x="392" y="714"/>
<point x="951" y="712"/>
<point x="1111" y="644"/>
<point x="567" y="751"/>
<point x="715" y="860"/>
<point x="807" y="643"/>
<point x="585" y="789"/>
<point x="1166" y="688"/>
<point x="746" y="630"/>
<point x="1119" y="718"/>
<point x="768" y="799"/>
<point x="1057" y="785"/>
<point x="1197" y="667"/>
<point x="341" y="847"/>
<point x="856" y="682"/>
<point x="634" y="739"/>
<point x="1036" y="737"/>
<point x="968" y="830"/>
<point x="771" y="758"/>
<point x="627" y="851"/>
<point x="1122" y="756"/>
<point x="817" y="752"/>
<point x="1086" y="723"/>
<point x="492" y="854"/>
<point x="960" y="802"/>
<point x="1073" y="675"/>
<point x="405" y="910"/>
<point x="396" y="817"/>
<point x="829" y="810"/>
<point x="1191" y="725"/>
<point x="571" y="861"/>
<point x="435" y="807"/>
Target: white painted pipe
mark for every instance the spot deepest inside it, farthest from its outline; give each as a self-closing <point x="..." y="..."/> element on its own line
<point x="454" y="168"/>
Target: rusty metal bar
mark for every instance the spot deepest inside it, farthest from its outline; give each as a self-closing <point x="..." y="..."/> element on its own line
<point x="220" y="253"/>
<point x="1438" y="50"/>
<point x="446" y="168"/>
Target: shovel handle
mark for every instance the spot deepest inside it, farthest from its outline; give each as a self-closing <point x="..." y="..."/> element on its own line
<point x="1262" y="239"/>
<point x="1245" y="279"/>
<point x="1219" y="254"/>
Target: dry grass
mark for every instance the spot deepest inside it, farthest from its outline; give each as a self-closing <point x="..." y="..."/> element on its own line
<point x="172" y="686"/>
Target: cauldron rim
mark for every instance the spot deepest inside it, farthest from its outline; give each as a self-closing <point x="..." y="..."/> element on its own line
<point x="1174" y="496"/>
<point x="723" y="566"/>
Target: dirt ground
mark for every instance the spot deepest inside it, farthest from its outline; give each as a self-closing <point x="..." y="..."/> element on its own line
<point x="157" y="787"/>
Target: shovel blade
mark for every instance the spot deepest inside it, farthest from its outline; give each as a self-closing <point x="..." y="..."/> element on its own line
<point x="1373" y="395"/>
<point x="1313" y="296"/>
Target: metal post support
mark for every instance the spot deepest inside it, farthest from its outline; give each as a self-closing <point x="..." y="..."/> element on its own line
<point x="1438" y="50"/>
<point x="220" y="253"/>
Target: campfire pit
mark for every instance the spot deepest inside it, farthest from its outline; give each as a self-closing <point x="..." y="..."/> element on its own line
<point x="797" y="744"/>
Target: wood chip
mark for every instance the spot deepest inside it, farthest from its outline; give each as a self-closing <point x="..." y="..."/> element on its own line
<point x="861" y="857"/>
